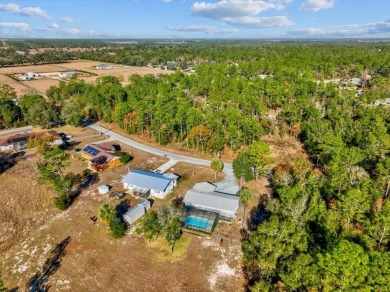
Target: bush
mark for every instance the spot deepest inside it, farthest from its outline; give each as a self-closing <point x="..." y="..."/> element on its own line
<point x="125" y="158"/>
<point x="117" y="229"/>
<point x="62" y="202"/>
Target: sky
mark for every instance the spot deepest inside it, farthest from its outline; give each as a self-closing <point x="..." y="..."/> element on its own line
<point x="211" y="19"/>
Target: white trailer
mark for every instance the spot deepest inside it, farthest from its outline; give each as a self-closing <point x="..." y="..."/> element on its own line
<point x="134" y="214"/>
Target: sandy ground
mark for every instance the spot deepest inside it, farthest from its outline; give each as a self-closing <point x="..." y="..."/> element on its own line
<point x="93" y="261"/>
<point x="20" y="88"/>
<point x="44" y="83"/>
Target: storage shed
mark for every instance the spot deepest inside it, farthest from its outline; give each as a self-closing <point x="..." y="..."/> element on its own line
<point x="134" y="214"/>
<point x="104" y="189"/>
<point x="146" y="204"/>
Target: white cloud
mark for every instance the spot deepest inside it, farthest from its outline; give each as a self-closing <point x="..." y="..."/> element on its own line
<point x="350" y="30"/>
<point x="190" y="28"/>
<point x="317" y="5"/>
<point x="260" y="22"/>
<point x="15" y="25"/>
<point x="72" y="31"/>
<point x="26" y="11"/>
<point x="232" y="8"/>
<point x="67" y="19"/>
<point x="53" y="26"/>
<point x="202" y="28"/>
<point x="243" y="12"/>
<point x="281" y="1"/>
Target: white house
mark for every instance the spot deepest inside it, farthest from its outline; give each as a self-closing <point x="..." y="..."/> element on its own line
<point x="24" y="77"/>
<point x="210" y="197"/>
<point x="66" y="74"/>
<point x="103" y="67"/>
<point x="32" y="75"/>
<point x="145" y="183"/>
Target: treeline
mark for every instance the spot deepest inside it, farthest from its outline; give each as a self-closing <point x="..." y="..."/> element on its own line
<point x="327" y="226"/>
<point x="314" y="59"/>
<point x="321" y="60"/>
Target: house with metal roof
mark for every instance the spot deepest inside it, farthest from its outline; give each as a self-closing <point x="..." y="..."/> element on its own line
<point x="144" y="183"/>
<point x="208" y="197"/>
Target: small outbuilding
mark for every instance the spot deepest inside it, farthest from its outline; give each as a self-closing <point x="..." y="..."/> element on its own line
<point x="134" y="214"/>
<point x="104" y="189"/>
<point x="146" y="204"/>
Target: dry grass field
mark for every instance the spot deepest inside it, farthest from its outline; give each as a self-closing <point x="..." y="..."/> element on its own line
<point x="90" y="260"/>
<point x="27" y="203"/>
<point x="43" y="83"/>
<point x="19" y="87"/>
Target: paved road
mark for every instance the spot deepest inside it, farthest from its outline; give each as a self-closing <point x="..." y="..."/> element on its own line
<point x="229" y="180"/>
<point x="21" y="129"/>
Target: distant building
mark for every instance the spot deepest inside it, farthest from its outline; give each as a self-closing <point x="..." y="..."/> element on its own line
<point x="100" y="156"/>
<point x="213" y="198"/>
<point x="103" y="67"/>
<point x="18" y="142"/>
<point x="145" y="183"/>
<point x="32" y="75"/>
<point x="66" y="74"/>
<point x="24" y="77"/>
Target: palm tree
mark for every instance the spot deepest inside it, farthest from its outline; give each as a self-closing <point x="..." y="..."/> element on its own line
<point x="245" y="197"/>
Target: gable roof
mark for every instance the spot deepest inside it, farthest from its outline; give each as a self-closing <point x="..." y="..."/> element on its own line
<point x="213" y="199"/>
<point x="18" y="138"/>
<point x="99" y="154"/>
<point x="147" y="180"/>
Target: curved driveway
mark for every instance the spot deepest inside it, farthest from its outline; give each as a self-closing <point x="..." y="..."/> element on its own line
<point x="229" y="180"/>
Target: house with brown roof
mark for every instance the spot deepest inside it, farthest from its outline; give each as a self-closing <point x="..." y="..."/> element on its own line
<point x="100" y="156"/>
<point x="19" y="141"/>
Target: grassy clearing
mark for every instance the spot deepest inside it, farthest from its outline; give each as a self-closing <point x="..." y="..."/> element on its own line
<point x="163" y="251"/>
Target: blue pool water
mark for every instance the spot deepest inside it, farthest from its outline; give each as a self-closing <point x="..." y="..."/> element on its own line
<point x="198" y="222"/>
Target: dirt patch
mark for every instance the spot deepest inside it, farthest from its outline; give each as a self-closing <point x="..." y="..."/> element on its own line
<point x="94" y="261"/>
<point x="284" y="149"/>
<point x="27" y="202"/>
<point x="20" y="88"/>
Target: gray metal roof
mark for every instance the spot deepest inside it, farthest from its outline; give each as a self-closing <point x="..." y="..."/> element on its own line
<point x="147" y="180"/>
<point x="171" y="176"/>
<point x="205" y="187"/>
<point x="227" y="188"/>
<point x="212" y="200"/>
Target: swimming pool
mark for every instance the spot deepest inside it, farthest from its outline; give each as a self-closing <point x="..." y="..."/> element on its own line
<point x="196" y="222"/>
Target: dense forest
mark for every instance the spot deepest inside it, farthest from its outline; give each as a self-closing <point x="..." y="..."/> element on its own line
<point x="327" y="226"/>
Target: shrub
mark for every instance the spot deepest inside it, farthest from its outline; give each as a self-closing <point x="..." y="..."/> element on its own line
<point x="117" y="229"/>
<point x="62" y="202"/>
